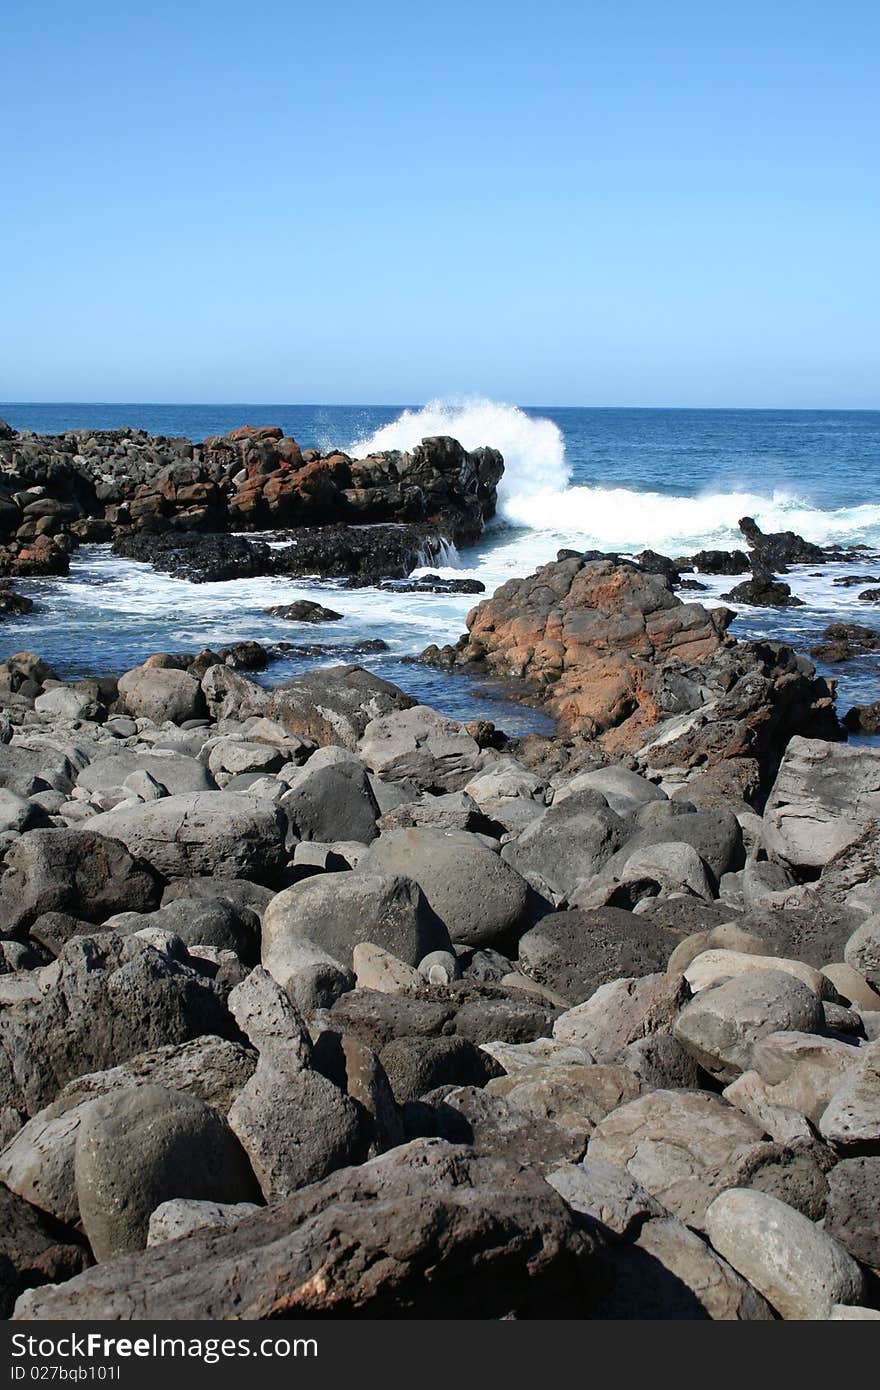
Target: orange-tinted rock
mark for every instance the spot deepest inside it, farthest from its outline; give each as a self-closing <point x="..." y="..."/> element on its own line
<point x="611" y="651"/>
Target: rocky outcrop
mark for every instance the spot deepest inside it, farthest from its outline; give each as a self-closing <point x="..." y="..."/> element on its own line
<point x="57" y="491"/>
<point x="619" y="660"/>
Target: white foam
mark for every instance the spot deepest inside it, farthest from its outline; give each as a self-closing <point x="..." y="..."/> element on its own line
<point x="535" y="492"/>
<point x="533" y="448"/>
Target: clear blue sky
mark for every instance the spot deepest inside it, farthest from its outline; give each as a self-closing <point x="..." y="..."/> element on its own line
<point x="563" y="203"/>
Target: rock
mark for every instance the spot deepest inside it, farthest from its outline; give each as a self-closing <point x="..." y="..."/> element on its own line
<point x="620" y="1012"/>
<point x="479" y="899"/>
<point x="852" y="1215"/>
<point x="763" y="590"/>
<point x="33" y="1250"/>
<point x="750" y="1094"/>
<point x="776" y="549"/>
<point x="138" y="1148"/>
<point x="378" y="969"/>
<point x="18" y="814"/>
<point x="575" y="952"/>
<point x="660" y="1062"/>
<point x="851" y="986"/>
<point x="421" y="1208"/>
<point x="65" y="703"/>
<point x="624" y="791"/>
<point x="684" y="1147"/>
<point x="862" y="950"/>
<point x="715" y="835"/>
<point x="58" y="870"/>
<point x="414" y="1066"/>
<point x="200" y="833"/>
<point x="337" y="911"/>
<point x="822" y="800"/>
<point x="420" y="744"/>
<point x="851" y="1120"/>
<point x="713" y="967"/>
<point x="229" y="695"/>
<point x="201" y="922"/>
<point x="269" y="1018"/>
<point x="304" y="611"/>
<point x="567" y="843"/>
<point x="113" y="768"/>
<point x="507" y="1018"/>
<point x="311" y="976"/>
<point x="721" y="1026"/>
<point x="720" y="562"/>
<point x="620" y="660"/>
<point x="111" y="998"/>
<point x="332" y="801"/>
<point x="236" y="756"/>
<point x="801" y="1070"/>
<point x="38" y="1162"/>
<point x="800" y="1270"/>
<point x="180" y="1216"/>
<point x="439" y="968"/>
<point x="659" y="870"/>
<point x="608" y="1195"/>
<point x="841" y="1312"/>
<point x="491" y="1127"/>
<point x="240" y="893"/>
<point x="669" y="1272"/>
<point x="578" y="1097"/>
<point x="294" y="1125"/>
<point x="335" y="705"/>
<point x="151" y="693"/>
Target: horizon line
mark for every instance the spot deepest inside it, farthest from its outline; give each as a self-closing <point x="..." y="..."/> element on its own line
<point x="453" y="400"/>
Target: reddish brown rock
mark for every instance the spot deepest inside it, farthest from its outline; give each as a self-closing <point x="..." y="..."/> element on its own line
<point x="611" y="651"/>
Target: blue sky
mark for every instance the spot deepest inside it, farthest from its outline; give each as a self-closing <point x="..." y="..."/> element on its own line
<point x="601" y="204"/>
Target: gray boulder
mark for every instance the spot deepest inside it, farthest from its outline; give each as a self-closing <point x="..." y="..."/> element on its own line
<point x="80" y="871"/>
<point x="180" y="1216"/>
<point x="479" y="899"/>
<point x="152" y="692"/>
<point x="331" y="798"/>
<point x="669" y="1273"/>
<point x="202" y="833"/>
<point x="136" y="1149"/>
<point x="862" y="950"/>
<point x="335" y="704"/>
<point x="37" y="1163"/>
<point x="229" y="695"/>
<point x="435" y="752"/>
<point x="624" y="791"/>
<point x="684" y="1147"/>
<point x="715" y="835"/>
<point x="111" y="998"/>
<point x="113" y="765"/>
<point x="573" y="953"/>
<point x="852" y="1213"/>
<point x="295" y="1125"/>
<point x="337" y="911"/>
<point x="567" y="843"/>
<point x="823" y="799"/>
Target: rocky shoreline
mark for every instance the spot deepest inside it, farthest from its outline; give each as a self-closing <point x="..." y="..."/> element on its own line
<point x="315" y="1001"/>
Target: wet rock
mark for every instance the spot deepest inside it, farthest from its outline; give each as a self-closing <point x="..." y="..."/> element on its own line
<point x="304" y="611"/>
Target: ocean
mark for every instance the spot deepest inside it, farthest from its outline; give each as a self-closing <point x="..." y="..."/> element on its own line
<point x="610" y="479"/>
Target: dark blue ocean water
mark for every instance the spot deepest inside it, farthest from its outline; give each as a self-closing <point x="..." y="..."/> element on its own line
<point x="675" y="480"/>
